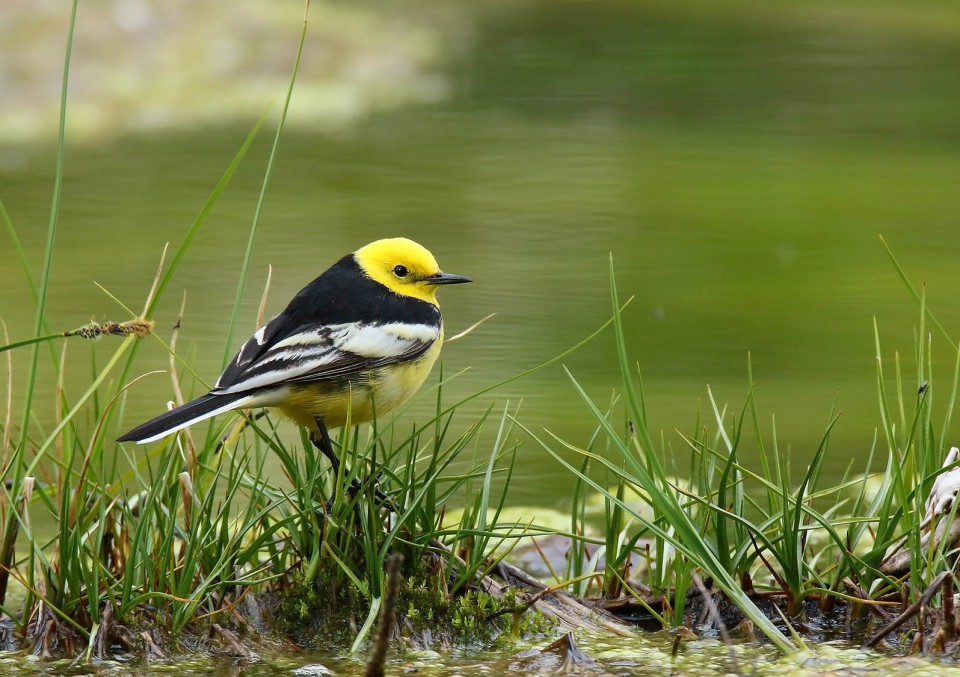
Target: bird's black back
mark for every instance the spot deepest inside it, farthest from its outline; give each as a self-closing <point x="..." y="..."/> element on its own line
<point x="341" y="294"/>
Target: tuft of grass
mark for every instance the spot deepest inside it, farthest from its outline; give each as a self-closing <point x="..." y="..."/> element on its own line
<point x="757" y="534"/>
<point x="678" y="540"/>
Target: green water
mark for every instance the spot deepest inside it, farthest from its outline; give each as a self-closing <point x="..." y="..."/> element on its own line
<point x="739" y="164"/>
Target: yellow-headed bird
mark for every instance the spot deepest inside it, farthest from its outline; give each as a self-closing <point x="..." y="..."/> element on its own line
<point x="361" y="338"/>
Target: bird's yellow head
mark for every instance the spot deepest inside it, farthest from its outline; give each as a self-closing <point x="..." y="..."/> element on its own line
<point x="405" y="267"/>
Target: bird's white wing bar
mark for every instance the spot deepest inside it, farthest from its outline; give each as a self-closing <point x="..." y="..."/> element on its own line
<point x="334" y="350"/>
<point x="253" y="357"/>
<point x="418" y="332"/>
<point x="260" y="335"/>
<point x="318" y="336"/>
<point x="385" y="340"/>
<point x="248" y="350"/>
<point x="279" y="365"/>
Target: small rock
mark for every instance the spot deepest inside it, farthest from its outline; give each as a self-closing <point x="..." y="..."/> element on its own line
<point x="312" y="670"/>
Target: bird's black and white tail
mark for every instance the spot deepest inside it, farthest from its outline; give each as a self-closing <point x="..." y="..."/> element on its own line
<point x="192" y="412"/>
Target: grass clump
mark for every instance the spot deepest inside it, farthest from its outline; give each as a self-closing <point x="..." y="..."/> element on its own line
<point x="165" y="550"/>
<point x="777" y="549"/>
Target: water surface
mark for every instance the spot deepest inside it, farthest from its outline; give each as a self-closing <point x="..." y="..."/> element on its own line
<point x="739" y="164"/>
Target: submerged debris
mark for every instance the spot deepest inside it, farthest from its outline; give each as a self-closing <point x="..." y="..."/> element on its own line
<point x="561" y="656"/>
<point x="941" y="523"/>
<point x="913" y="610"/>
<point x="567" y="649"/>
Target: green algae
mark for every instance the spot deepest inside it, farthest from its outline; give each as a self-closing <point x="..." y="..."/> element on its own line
<point x="640" y="654"/>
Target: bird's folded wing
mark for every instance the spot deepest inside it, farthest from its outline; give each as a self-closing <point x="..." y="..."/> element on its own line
<point x="320" y="352"/>
<point x="250" y="351"/>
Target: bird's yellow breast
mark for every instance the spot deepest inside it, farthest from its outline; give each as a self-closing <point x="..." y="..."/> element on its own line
<point x="359" y="398"/>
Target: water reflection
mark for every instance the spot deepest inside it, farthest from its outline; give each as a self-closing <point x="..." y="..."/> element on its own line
<point x="739" y="164"/>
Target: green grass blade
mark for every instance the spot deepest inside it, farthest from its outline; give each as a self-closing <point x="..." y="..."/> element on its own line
<point x="244" y="267"/>
<point x="208" y="206"/>
<point x="913" y="291"/>
<point x="51" y="236"/>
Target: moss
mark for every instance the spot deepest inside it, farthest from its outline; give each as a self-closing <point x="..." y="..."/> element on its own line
<point x="327" y="613"/>
<point x="471" y="619"/>
<point x="320" y="613"/>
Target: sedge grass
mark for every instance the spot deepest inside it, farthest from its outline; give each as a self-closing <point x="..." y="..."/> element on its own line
<point x="741" y="527"/>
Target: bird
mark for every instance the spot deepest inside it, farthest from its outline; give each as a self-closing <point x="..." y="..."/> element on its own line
<point x="359" y="339"/>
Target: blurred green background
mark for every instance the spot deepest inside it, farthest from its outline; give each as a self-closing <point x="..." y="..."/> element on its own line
<point x="738" y="159"/>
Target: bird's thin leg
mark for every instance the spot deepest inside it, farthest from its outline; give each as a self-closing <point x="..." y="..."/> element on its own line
<point x="320" y="438"/>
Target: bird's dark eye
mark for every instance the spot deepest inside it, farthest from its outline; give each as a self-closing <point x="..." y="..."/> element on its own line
<point x="400" y="271"/>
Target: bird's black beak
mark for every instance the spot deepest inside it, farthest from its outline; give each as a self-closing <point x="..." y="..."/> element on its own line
<point x="446" y="278"/>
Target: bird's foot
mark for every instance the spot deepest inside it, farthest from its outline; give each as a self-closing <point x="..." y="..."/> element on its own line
<point x="380" y="497"/>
